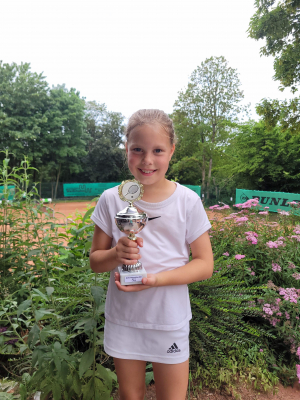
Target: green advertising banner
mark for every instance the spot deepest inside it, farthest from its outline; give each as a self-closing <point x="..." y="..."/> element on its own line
<point x="86" y="189"/>
<point x="196" y="189"/>
<point x="95" y="189"/>
<point x="274" y="200"/>
<point x="11" y="190"/>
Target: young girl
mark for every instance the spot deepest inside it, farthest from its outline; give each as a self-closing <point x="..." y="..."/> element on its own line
<point x="150" y="321"/>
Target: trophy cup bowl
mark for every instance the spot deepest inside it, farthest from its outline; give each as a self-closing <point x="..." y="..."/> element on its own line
<point x="131" y="221"/>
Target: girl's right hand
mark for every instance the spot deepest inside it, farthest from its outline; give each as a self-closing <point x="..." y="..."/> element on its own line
<point x="128" y="250"/>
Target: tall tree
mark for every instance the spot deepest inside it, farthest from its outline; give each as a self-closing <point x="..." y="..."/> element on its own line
<point x="205" y="112"/>
<point x="104" y="160"/>
<point x="279" y="24"/>
<point x="264" y="158"/>
<point x="67" y="136"/>
<point x="24" y="102"/>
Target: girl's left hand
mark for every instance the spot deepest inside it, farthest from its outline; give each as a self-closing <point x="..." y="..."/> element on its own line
<point x="150" y="281"/>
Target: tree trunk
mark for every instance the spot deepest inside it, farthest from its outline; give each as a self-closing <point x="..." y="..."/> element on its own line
<point x="57" y="179"/>
<point x="41" y="186"/>
<point x="209" y="177"/>
<point x="203" y="173"/>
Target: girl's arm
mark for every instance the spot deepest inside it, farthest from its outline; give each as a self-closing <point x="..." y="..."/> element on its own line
<point x="200" y="268"/>
<point x="105" y="258"/>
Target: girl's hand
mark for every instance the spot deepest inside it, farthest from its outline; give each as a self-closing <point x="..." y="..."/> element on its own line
<point x="127" y="250"/>
<point x="150" y="281"/>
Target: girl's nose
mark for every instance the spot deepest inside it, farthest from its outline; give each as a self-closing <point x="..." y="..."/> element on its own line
<point x="147" y="160"/>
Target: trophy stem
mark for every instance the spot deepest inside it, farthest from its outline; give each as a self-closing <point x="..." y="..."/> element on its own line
<point x="132" y="236"/>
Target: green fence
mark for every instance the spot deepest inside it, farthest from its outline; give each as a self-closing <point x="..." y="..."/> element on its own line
<point x="95" y="189"/>
<point x="11" y="190"/>
<point x="274" y="200"/>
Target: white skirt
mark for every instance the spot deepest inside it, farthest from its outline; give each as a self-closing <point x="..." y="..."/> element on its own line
<point x="167" y="347"/>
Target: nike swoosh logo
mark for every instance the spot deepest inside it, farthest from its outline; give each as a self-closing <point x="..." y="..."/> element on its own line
<point x="149" y="219"/>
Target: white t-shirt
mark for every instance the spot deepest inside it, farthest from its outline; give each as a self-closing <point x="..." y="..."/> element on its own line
<point x="173" y="224"/>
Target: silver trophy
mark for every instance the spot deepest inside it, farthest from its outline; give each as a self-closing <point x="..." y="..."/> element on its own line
<point x="131" y="221"/>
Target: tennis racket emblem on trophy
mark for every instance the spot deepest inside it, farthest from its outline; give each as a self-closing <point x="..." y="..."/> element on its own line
<point x="131" y="221"/>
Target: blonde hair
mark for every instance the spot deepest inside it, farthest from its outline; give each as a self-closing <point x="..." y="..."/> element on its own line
<point x="151" y="116"/>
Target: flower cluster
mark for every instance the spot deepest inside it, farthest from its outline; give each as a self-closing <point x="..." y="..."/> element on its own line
<point x="276" y="267"/>
<point x="290" y="294"/>
<point x="270" y="311"/>
<point x="241" y="219"/>
<point x="218" y="207"/>
<point x="298" y="371"/>
<point x="297" y="237"/>
<point x="248" y="204"/>
<point x="296" y="276"/>
<point x="251" y="237"/>
<point x="239" y="256"/>
<point x="282" y="212"/>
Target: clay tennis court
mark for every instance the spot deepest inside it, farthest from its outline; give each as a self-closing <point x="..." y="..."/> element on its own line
<point x="65" y="210"/>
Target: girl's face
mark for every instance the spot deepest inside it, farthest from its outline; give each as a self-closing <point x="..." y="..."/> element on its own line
<point x="149" y="152"/>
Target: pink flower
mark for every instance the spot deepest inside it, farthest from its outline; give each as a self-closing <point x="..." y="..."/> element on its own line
<point x="226" y="254"/>
<point x="250" y="233"/>
<point x="222" y="229"/>
<point x="239" y="256"/>
<point x="276" y="267"/>
<point x="263" y="212"/>
<point x="298" y="371"/>
<point x="229" y="266"/>
<point x="241" y="219"/>
<point x="297" y="237"/>
<point x="261" y="350"/>
<point x="289" y="294"/>
<point x="283" y="212"/>
<point x="272" y="245"/>
<point x="267" y="309"/>
<point x="292" y="266"/>
<point x="266" y="208"/>
<point x="214" y="207"/>
<point x="252" y="273"/>
<point x="298" y="352"/>
<point x="287" y="315"/>
<point x="296" y="276"/>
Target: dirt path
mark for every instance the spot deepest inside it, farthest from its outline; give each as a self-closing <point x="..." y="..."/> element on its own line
<point x="242" y="393"/>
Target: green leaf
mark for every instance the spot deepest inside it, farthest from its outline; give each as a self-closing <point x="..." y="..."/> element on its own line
<point x="49" y="290"/>
<point x="34" y="252"/>
<point x="75" y="269"/>
<point x="97" y="293"/>
<point x="33" y="335"/>
<point x="86" y="361"/>
<point x="87" y="214"/>
<point x="88" y="390"/>
<point x="41" y="312"/>
<point x="106" y="375"/>
<point x="149" y="377"/>
<point x="23" y="306"/>
<point x="90" y="325"/>
<point x="39" y="293"/>
<point x="56" y="390"/>
<point x="76" y="383"/>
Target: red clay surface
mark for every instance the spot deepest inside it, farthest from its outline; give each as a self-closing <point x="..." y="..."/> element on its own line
<point x="69" y="210"/>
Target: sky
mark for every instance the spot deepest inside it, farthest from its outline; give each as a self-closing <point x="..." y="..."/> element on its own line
<point x="133" y="54"/>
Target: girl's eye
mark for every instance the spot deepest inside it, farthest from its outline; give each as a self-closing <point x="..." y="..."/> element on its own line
<point x="137" y="150"/>
<point x="158" y="150"/>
